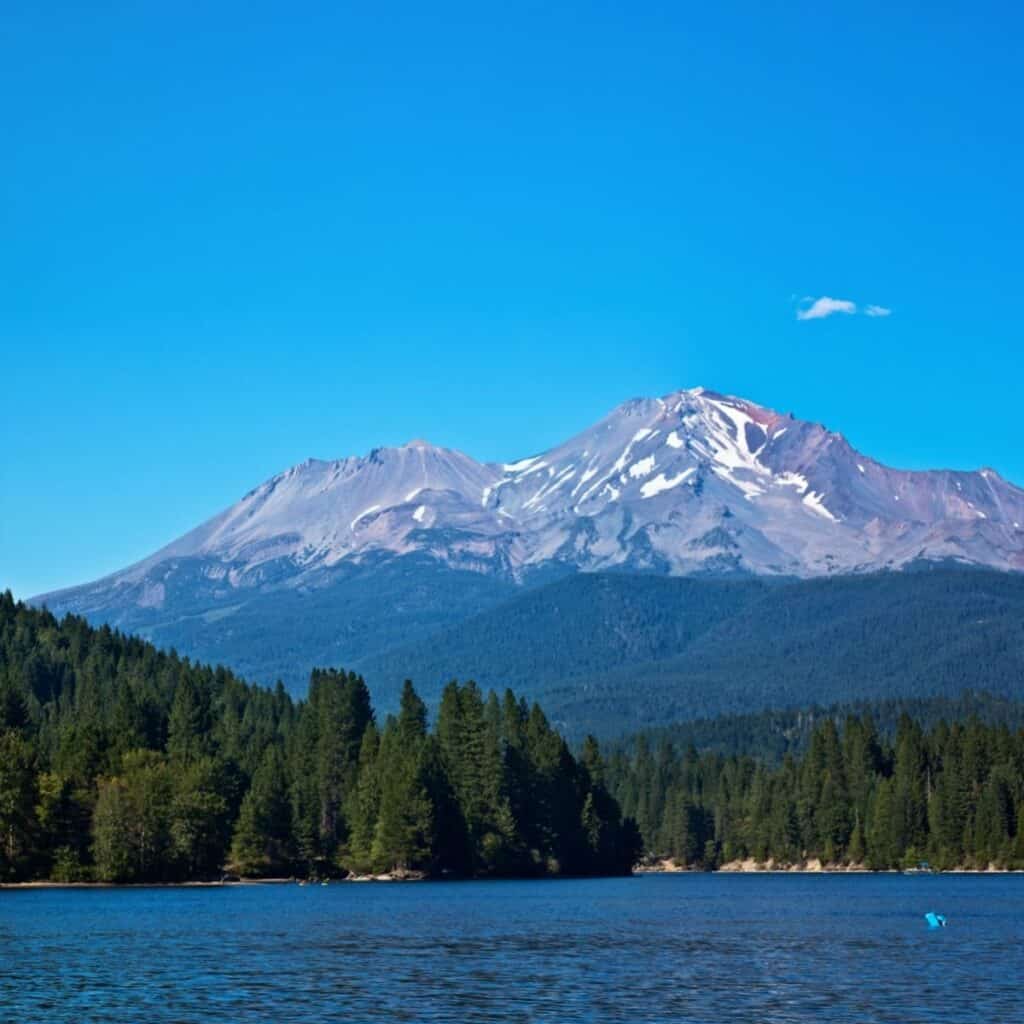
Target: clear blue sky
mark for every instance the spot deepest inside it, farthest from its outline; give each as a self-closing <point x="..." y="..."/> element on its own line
<point x="237" y="235"/>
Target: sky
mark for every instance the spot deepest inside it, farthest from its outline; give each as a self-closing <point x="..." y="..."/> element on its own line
<point x="234" y="236"/>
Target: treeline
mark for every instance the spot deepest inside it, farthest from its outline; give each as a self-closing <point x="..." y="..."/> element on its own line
<point x="769" y="736"/>
<point x="952" y="795"/>
<point x="119" y="762"/>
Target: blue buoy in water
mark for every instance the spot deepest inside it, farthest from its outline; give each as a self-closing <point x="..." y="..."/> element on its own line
<point x="935" y="920"/>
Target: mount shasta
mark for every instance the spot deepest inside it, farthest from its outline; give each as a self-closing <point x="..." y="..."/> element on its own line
<point x="385" y="548"/>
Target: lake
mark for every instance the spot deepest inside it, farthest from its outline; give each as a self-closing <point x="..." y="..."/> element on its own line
<point x="697" y="948"/>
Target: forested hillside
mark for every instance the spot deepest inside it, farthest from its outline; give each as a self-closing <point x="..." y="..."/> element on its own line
<point x="612" y="654"/>
<point x="953" y="795"/>
<point x="347" y="612"/>
<point x="768" y="736"/>
<point x="122" y="763"/>
<point x="576" y="628"/>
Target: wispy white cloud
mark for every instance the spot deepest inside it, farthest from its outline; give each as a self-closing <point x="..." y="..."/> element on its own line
<point x="823" y="307"/>
<point x="810" y="308"/>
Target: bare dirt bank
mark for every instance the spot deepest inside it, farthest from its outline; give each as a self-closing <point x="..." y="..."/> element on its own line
<point x="812" y="866"/>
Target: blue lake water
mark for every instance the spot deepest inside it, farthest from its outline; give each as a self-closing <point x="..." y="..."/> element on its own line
<point x="695" y="948"/>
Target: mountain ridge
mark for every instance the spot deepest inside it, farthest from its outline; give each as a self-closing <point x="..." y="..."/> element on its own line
<point x="360" y="553"/>
<point x="698" y="479"/>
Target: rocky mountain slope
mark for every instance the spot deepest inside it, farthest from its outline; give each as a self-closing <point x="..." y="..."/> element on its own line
<point x="695" y="483"/>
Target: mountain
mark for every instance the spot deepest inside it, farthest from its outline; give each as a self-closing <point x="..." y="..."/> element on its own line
<point x="331" y="562"/>
<point x="575" y="630"/>
<point x="613" y="653"/>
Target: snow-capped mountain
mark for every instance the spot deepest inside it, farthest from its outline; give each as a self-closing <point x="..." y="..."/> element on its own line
<point x="698" y="481"/>
<point x="695" y="482"/>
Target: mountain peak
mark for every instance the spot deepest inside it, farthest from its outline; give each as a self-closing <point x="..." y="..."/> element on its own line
<point x="642" y="489"/>
<point x="675" y="396"/>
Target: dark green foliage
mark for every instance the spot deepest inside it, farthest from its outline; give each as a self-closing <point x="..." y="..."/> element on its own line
<point x="364" y="803"/>
<point x="770" y="735"/>
<point x="403" y="832"/>
<point x="268" y="633"/>
<point x="615" y="653"/>
<point x="578" y="627"/>
<point x="952" y="795"/>
<point x="132" y="821"/>
<point x="121" y="763"/>
<point x="263" y="842"/>
<point x="187" y="726"/>
<point x="17" y="802"/>
<point x="339" y="704"/>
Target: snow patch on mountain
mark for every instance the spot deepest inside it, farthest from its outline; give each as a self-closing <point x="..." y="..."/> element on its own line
<point x="661" y="483"/>
<point x="643" y="467"/>
<point x="362" y="515"/>
<point x="815" y="502"/>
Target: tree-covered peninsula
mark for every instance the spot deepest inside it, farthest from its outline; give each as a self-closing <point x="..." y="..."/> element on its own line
<point x="122" y="763"/>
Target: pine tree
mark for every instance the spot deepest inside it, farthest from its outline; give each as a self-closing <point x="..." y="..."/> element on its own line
<point x="364" y="806"/>
<point x="909" y="825"/>
<point x="403" y="836"/>
<point x="187" y="728"/>
<point x="17" y="806"/>
<point x="249" y="856"/>
<point x="994" y="822"/>
<point x="262" y="841"/>
<point x="883" y="851"/>
<point x="949" y="804"/>
<point x="857" y="848"/>
<point x="832" y="818"/>
<point x="304" y="788"/>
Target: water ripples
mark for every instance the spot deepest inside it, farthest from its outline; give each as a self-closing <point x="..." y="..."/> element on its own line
<point x="699" y="949"/>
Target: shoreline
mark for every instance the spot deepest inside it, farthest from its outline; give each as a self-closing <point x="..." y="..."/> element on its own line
<point x="44" y="884"/>
<point x="662" y="868"/>
<point x="666" y="866"/>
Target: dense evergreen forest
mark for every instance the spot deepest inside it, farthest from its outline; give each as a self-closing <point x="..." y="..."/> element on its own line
<point x="768" y="736"/>
<point x="953" y="795"/>
<point x="122" y="763"/>
<point x="614" y="653"/>
<point x="119" y="762"/>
